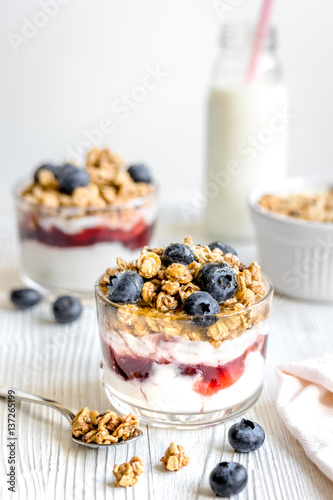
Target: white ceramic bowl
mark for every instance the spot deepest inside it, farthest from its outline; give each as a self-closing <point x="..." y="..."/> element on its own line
<point x="296" y="254"/>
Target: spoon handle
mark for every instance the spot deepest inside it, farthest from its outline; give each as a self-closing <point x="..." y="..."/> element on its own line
<point x="33" y="398"/>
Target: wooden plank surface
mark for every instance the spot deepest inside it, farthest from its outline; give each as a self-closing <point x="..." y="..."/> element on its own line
<point x="62" y="363"/>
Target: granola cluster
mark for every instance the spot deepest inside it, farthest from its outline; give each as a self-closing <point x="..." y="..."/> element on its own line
<point x="103" y="428"/>
<point x="175" y="457"/>
<point x="127" y="474"/>
<point x="166" y="288"/>
<point x="315" y="206"/>
<point x="110" y="184"/>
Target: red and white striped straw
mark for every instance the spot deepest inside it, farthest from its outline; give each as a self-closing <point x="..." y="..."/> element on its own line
<point x="261" y="32"/>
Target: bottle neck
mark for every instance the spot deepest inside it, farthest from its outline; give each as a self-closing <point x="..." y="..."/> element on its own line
<point x="237" y="42"/>
<point x="240" y="38"/>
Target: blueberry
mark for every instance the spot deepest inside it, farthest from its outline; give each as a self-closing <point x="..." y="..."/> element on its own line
<point x="203" y="305"/>
<point x="177" y="252"/>
<point x="246" y="436"/>
<point x="125" y="287"/>
<point x="47" y="166"/>
<point x="67" y="309"/>
<point x="140" y="173"/>
<point x="24" y="298"/>
<point x="218" y="280"/>
<point x="222" y="246"/>
<point x="228" y="478"/>
<point x="70" y="177"/>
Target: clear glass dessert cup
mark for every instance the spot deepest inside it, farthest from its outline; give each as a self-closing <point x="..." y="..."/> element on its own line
<point x="183" y="371"/>
<point x="63" y="249"/>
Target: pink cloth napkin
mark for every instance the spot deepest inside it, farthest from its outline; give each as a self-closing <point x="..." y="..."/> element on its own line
<point x="305" y="404"/>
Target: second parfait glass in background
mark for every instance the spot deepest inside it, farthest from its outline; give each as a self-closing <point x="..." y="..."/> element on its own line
<point x="63" y="248"/>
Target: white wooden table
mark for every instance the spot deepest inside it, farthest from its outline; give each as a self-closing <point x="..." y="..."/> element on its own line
<point x="62" y="363"/>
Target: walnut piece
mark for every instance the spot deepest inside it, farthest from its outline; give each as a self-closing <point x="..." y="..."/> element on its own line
<point x="81" y="424"/>
<point x="175" y="457"/>
<point x="127" y="474"/>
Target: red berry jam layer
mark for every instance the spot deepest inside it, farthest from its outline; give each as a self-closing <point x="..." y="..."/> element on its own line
<point x="208" y="379"/>
<point x="138" y="236"/>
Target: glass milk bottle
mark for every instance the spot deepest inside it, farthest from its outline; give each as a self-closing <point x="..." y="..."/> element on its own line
<point x="247" y="131"/>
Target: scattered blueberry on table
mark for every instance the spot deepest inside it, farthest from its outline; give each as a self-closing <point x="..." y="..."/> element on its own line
<point x="24" y="298"/>
<point x="67" y="309"/>
<point x="245" y="436"/>
<point x="228" y="478"/>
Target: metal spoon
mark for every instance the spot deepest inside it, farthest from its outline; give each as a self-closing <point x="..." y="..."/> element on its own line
<point x="32" y="398"/>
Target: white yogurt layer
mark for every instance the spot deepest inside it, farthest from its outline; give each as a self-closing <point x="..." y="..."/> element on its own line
<point x="159" y="347"/>
<point x="112" y="220"/>
<point x="74" y="269"/>
<point x="166" y="390"/>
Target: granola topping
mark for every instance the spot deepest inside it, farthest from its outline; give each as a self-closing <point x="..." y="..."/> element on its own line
<point x="175" y="457"/>
<point x="110" y="184"/>
<point x="103" y="428"/>
<point x="166" y="289"/>
<point x="128" y="473"/>
<point x="310" y="206"/>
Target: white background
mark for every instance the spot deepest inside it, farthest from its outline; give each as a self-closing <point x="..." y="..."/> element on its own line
<point x="65" y="79"/>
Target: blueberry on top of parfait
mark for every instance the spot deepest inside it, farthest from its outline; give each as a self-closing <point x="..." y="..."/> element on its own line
<point x="218" y="279"/>
<point x="71" y="177"/>
<point x="177" y="253"/>
<point x="223" y="247"/>
<point x="140" y="173"/>
<point x="203" y="306"/>
<point x="47" y="166"/>
<point x="125" y="287"/>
